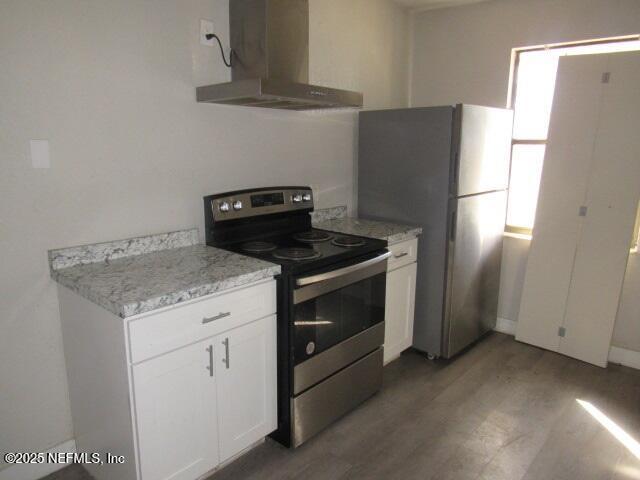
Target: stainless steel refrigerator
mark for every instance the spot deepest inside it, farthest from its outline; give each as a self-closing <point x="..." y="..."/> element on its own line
<point x="445" y="169"/>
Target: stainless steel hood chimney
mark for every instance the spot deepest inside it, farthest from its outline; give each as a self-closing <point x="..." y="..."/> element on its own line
<point x="270" y="67"/>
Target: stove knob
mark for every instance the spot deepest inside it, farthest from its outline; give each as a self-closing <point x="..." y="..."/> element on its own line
<point x="306" y="197"/>
<point x="237" y="205"/>
<point x="297" y="198"/>
<point x="224" y="207"/>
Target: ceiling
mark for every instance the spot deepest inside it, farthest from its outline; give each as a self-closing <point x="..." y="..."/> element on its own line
<point x="431" y="4"/>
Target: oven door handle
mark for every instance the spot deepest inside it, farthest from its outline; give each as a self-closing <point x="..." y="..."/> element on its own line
<point x="322" y="277"/>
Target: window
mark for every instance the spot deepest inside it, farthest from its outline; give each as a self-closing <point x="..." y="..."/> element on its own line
<point x="636" y="233"/>
<point x="533" y="84"/>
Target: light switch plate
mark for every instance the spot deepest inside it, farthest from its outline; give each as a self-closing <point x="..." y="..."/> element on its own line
<point x="40" y="156"/>
<point x="206" y="26"/>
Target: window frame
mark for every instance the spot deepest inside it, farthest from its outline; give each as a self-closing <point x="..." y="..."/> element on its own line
<point x="511" y="100"/>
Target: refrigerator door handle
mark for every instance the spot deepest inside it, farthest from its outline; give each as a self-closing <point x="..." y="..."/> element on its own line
<point x="454" y="180"/>
<point x="454" y="221"/>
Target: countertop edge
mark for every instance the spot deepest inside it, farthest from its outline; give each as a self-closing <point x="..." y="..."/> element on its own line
<point x="126" y="310"/>
<point x="406" y="232"/>
<point x="177" y="298"/>
<point x="403" y="237"/>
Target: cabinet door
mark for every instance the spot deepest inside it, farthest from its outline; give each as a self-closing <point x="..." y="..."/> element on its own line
<point x="399" y="310"/>
<point x="246" y="378"/>
<point x="175" y="404"/>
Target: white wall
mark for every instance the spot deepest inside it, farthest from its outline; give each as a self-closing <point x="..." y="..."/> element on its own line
<point x="111" y="85"/>
<point x="361" y="44"/>
<point x="463" y="54"/>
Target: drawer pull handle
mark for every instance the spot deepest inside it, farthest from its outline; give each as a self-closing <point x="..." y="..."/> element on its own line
<point x="210" y="367"/>
<point x="226" y="352"/>
<point x="217" y="317"/>
<point x="400" y="255"/>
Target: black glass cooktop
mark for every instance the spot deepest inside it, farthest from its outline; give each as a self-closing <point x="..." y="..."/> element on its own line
<point x="307" y="249"/>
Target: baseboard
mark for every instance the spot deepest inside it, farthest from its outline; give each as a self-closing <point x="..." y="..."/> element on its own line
<point x="504" y="325"/>
<point x="34" y="471"/>
<point x="625" y="357"/>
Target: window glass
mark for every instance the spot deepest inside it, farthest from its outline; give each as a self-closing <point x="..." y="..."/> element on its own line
<point x="636" y="232"/>
<point x="526" y="169"/>
<point x="534" y="94"/>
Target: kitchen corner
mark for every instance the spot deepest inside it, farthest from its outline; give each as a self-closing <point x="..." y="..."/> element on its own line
<point x="335" y="219"/>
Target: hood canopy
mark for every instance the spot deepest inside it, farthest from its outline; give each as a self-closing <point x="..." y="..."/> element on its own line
<point x="270" y="68"/>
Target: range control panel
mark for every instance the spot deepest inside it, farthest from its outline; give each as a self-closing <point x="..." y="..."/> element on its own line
<point x="245" y="204"/>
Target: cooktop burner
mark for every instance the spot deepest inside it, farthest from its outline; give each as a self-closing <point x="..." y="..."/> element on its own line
<point x="295" y="253"/>
<point x="258" y="247"/>
<point x="348" y="242"/>
<point x="312" y="236"/>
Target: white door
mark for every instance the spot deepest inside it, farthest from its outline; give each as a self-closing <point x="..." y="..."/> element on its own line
<point x="612" y="202"/>
<point x="588" y="198"/>
<point x="399" y="311"/>
<point x="247" y="385"/>
<point x="175" y="405"/>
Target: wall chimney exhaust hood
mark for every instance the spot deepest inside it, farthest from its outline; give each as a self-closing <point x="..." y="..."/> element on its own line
<point x="270" y="66"/>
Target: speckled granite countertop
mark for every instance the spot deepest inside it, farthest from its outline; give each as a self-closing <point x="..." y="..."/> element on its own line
<point x="152" y="277"/>
<point x="391" y="232"/>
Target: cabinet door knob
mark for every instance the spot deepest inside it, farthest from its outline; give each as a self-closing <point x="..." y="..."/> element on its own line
<point x="225" y="360"/>
<point x="216" y="317"/>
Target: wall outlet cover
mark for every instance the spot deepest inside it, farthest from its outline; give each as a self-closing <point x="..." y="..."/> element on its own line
<point x="40" y="156"/>
<point x="206" y="26"/>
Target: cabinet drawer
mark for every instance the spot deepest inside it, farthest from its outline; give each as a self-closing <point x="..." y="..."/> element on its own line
<point x="167" y="330"/>
<point x="403" y="253"/>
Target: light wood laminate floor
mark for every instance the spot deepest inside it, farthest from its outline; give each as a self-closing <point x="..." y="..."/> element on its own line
<point x="502" y="410"/>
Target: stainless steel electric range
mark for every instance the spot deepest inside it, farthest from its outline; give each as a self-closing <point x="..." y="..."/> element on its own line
<point x="331" y="295"/>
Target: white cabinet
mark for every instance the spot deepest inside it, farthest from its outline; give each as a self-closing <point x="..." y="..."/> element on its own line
<point x="204" y="403"/>
<point x="175" y="405"/>
<point x="176" y="391"/>
<point x="400" y="299"/>
<point x="246" y="385"/>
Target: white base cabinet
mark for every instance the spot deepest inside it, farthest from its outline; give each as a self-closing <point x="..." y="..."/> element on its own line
<point x="175" y="403"/>
<point x="246" y="385"/>
<point x="174" y="400"/>
<point x="400" y="299"/>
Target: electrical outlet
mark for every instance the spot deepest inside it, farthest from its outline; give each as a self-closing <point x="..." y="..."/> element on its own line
<point x="206" y="26"/>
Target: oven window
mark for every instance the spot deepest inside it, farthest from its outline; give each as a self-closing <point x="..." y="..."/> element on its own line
<point x="324" y="321"/>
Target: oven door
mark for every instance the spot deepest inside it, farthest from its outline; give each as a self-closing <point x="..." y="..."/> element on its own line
<point x="333" y="307"/>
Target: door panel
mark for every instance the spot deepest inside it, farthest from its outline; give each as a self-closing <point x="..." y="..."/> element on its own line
<point x="176" y="414"/>
<point x="591" y="161"/>
<point x="547" y="282"/>
<point x="612" y="200"/>
<point x="563" y="187"/>
<point x="400" y="301"/>
<point x="485" y="144"/>
<point x="246" y="376"/>
<point x="474" y="269"/>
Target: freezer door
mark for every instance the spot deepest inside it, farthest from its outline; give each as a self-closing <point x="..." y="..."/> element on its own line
<point x="473" y="269"/>
<point x="483" y="152"/>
